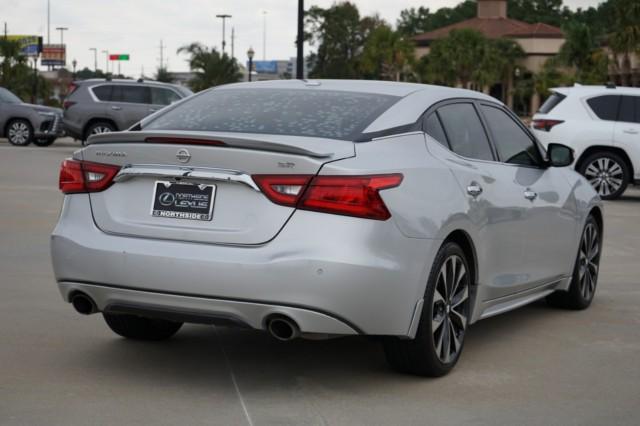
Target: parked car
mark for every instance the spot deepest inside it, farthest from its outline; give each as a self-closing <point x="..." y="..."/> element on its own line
<point x="602" y="125"/>
<point x="23" y="123"/>
<point x="97" y="105"/>
<point x="326" y="208"/>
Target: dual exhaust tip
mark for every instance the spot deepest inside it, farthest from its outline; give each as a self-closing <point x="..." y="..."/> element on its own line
<point x="83" y="304"/>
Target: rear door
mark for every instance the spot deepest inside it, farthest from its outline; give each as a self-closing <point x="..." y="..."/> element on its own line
<point x="627" y="129"/>
<point x="161" y="97"/>
<point x="211" y="170"/>
<point x="129" y="104"/>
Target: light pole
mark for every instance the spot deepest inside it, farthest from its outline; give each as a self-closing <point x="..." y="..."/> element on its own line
<point x="250" y="54"/>
<point x="300" y="42"/>
<point x="264" y="35"/>
<point x="224" y="19"/>
<point x="62" y="30"/>
<point x="74" y="63"/>
<point x="95" y="59"/>
<point x="106" y="61"/>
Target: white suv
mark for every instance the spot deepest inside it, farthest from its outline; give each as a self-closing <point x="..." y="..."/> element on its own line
<point x="602" y="125"/>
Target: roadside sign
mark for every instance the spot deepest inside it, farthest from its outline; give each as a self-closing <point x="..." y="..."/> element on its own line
<point x="30" y="45"/>
<point x="119" y="57"/>
<point x="54" y="54"/>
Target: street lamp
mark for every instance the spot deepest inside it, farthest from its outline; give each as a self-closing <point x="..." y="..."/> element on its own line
<point x="74" y="63"/>
<point x="224" y="18"/>
<point x="62" y="30"/>
<point x="250" y="54"/>
<point x="106" y="62"/>
<point x="95" y="59"/>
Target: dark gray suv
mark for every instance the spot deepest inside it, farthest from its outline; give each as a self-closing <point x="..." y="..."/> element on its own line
<point x="99" y="106"/>
<point x="23" y="123"/>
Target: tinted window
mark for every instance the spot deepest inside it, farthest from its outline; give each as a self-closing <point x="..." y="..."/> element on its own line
<point x="513" y="144"/>
<point x="465" y="131"/>
<point x="605" y="107"/>
<point x="161" y="96"/>
<point x="131" y="94"/>
<point x="551" y="102"/>
<point x="303" y="112"/>
<point x="630" y="109"/>
<point x="433" y="128"/>
<point x="103" y="93"/>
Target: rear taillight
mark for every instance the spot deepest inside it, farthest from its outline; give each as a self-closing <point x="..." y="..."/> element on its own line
<point x="346" y="195"/>
<point x="545" y="124"/>
<point x="67" y="104"/>
<point x="84" y="176"/>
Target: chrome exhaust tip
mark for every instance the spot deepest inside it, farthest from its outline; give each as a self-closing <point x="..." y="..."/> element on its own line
<point x="283" y="328"/>
<point x="83" y="304"/>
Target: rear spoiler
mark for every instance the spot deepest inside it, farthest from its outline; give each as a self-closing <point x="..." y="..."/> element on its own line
<point x="300" y="145"/>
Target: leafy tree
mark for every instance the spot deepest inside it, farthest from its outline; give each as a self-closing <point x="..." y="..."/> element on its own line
<point x="18" y="75"/>
<point x="414" y="21"/>
<point x="86" y="73"/>
<point x="163" y="75"/>
<point x="210" y="67"/>
<point x="550" y="12"/>
<point x="386" y="55"/>
<point x="581" y="51"/>
<point x="625" y="39"/>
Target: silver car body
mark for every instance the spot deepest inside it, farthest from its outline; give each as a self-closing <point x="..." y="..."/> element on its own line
<point x="331" y="274"/>
<point x="45" y="121"/>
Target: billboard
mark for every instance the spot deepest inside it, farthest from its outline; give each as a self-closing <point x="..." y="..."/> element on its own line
<point x="265" y="67"/>
<point x="54" y="54"/>
<point x="30" y="45"/>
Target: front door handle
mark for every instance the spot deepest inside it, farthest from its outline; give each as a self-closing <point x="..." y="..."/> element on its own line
<point x="631" y="131"/>
<point x="530" y="195"/>
<point x="116" y="107"/>
<point x="474" y="189"/>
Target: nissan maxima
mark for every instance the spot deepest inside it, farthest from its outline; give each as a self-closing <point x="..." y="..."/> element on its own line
<point x="322" y="209"/>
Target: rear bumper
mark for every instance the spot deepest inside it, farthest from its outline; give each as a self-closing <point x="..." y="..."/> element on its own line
<point x="331" y="274"/>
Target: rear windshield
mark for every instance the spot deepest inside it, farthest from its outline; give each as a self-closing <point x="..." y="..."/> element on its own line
<point x="297" y="112"/>
<point x="551" y="102"/>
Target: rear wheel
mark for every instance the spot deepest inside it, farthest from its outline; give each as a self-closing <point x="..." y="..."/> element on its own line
<point x="140" y="328"/>
<point x="585" y="271"/>
<point x="98" y="128"/>
<point x="607" y="172"/>
<point x="19" y="132"/>
<point x="443" y="323"/>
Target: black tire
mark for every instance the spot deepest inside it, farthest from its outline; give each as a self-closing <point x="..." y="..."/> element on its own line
<point x="140" y="328"/>
<point x="98" y="127"/>
<point x="616" y="176"/>
<point x="420" y="356"/>
<point x="19" y="132"/>
<point x="44" y="141"/>
<point x="576" y="297"/>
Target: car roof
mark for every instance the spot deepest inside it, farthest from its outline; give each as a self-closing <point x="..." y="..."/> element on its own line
<point x="581" y="90"/>
<point x="416" y="97"/>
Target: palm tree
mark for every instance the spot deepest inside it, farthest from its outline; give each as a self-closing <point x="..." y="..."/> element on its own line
<point x="386" y="55"/>
<point x="210" y="67"/>
<point x="163" y="75"/>
<point x="626" y="38"/>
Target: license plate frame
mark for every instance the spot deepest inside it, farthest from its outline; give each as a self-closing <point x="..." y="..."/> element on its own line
<point x="183" y="200"/>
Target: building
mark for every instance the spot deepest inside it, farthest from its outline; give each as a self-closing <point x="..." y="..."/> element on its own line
<point x="539" y="42"/>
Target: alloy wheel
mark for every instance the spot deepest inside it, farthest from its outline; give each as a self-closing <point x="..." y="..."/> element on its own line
<point x="100" y="129"/>
<point x="605" y="175"/>
<point x="588" y="261"/>
<point x="450" y="309"/>
<point x="19" y="133"/>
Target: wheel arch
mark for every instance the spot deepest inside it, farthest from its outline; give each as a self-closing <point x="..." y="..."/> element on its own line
<point x="604" y="148"/>
<point x="596" y="212"/>
<point x="94" y="120"/>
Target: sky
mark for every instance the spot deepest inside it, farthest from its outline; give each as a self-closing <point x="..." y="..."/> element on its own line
<point x="137" y="27"/>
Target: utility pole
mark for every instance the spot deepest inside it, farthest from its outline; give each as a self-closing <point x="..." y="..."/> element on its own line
<point x="224" y="18"/>
<point x="106" y="62"/>
<point x="162" y="47"/>
<point x="300" y="42"/>
<point x="95" y="59"/>
<point x="62" y="30"/>
<point x="49" y="26"/>
<point x="264" y="35"/>
<point x="233" y="38"/>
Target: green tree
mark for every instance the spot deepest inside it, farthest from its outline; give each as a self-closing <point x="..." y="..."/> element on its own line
<point x="210" y="67"/>
<point x="581" y="50"/>
<point x="386" y="55"/>
<point x="163" y="75"/>
<point x="625" y="39"/>
<point x="456" y="58"/>
<point x="414" y="21"/>
<point x="18" y="75"/>
<point x="86" y="73"/>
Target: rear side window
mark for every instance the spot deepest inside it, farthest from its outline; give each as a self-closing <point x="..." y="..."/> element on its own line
<point x="160" y="96"/>
<point x="551" y="102"/>
<point x="605" y="107"/>
<point x="130" y="94"/>
<point x="433" y="128"/>
<point x="301" y="112"/>
<point x="103" y="93"/>
<point x="513" y="144"/>
<point x="464" y="129"/>
<point x="630" y="109"/>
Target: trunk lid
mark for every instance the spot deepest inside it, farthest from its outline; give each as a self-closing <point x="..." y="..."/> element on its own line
<point x="153" y="161"/>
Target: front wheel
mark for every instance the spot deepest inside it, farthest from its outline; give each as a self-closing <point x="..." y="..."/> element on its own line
<point x="19" y="132"/>
<point x="98" y="128"/>
<point x="140" y="328"/>
<point x="585" y="271"/>
<point x="444" y="320"/>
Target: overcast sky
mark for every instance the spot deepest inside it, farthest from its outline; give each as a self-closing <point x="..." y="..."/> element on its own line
<point x="137" y="26"/>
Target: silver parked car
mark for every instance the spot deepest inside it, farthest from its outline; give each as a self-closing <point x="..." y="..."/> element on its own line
<point x="98" y="106"/>
<point x="326" y="208"/>
<point x="23" y="123"/>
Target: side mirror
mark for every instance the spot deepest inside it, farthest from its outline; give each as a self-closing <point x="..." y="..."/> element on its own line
<point x="559" y="155"/>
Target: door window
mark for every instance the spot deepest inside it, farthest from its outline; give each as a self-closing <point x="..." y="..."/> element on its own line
<point x="160" y="96"/>
<point x="131" y="94"/>
<point x="630" y="109"/>
<point x="513" y="144"/>
<point x="605" y="107"/>
<point x="465" y="132"/>
<point x="103" y="93"/>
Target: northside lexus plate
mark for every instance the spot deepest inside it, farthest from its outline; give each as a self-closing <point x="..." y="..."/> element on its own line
<point x="183" y="200"/>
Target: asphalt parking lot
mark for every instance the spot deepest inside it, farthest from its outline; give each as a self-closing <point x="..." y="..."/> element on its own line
<point x="533" y="366"/>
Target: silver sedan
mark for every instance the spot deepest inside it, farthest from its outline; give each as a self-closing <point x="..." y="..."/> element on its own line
<point x="326" y="208"/>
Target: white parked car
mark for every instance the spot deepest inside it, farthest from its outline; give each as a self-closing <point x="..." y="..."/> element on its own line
<point x="602" y="125"/>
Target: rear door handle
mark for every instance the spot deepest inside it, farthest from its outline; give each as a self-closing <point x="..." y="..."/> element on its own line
<point x="474" y="189"/>
<point x="530" y="195"/>
<point x="631" y="131"/>
<point x="116" y="107"/>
